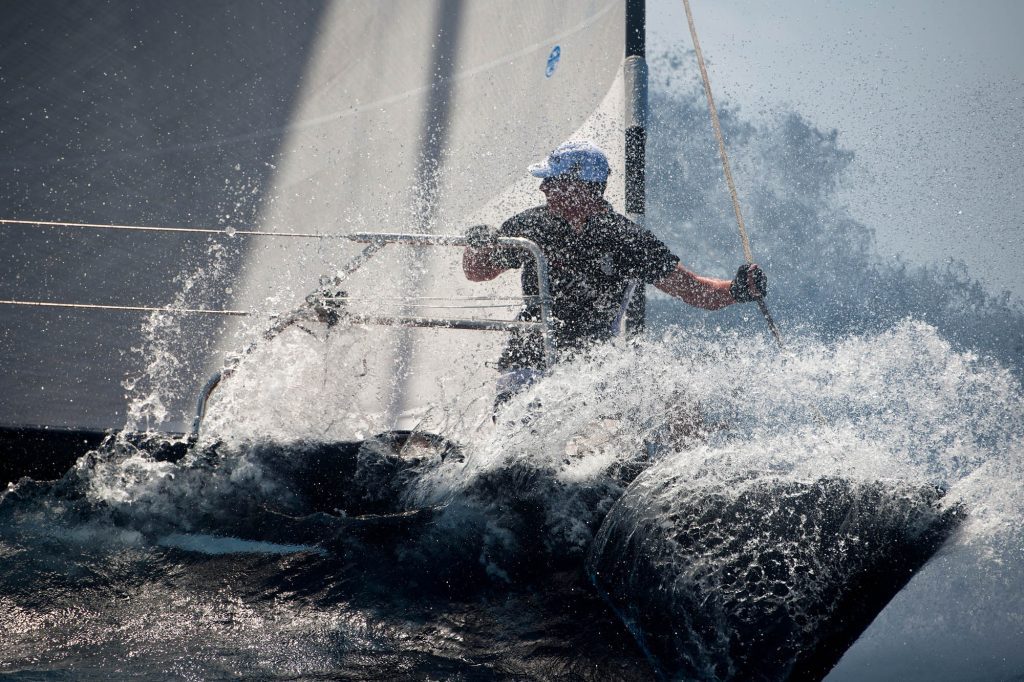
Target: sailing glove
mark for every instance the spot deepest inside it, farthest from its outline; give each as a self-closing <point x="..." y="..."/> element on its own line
<point x="740" y="288"/>
<point x="481" y="237"/>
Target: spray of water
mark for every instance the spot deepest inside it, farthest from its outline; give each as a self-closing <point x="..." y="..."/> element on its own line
<point x="173" y="346"/>
<point x="893" y="373"/>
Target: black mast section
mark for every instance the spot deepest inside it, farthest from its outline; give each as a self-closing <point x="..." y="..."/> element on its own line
<point x="636" y="106"/>
<point x="636" y="36"/>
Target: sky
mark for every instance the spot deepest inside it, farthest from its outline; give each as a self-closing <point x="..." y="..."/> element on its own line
<point x="928" y="94"/>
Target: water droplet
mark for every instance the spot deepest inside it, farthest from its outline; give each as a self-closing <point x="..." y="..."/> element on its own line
<point x="230" y="231"/>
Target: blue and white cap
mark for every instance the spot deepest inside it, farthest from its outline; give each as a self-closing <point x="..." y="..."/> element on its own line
<point x="582" y="160"/>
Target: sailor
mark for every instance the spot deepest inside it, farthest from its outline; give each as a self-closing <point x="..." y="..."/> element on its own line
<point x="598" y="263"/>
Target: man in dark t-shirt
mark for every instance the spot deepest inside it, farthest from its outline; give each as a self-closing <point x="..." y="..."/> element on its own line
<point x="597" y="258"/>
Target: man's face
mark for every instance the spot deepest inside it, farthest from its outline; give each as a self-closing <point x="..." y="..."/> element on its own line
<point x="565" y="195"/>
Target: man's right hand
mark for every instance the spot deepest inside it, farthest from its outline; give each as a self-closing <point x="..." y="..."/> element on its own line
<point x="750" y="284"/>
<point x="482" y="237"/>
<point x="477" y="261"/>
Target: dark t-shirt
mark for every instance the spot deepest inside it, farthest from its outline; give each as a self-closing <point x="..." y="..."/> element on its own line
<point x="589" y="273"/>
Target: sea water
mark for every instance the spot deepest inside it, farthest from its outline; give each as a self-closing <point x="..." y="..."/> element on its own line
<point x="133" y="566"/>
<point x="480" y="565"/>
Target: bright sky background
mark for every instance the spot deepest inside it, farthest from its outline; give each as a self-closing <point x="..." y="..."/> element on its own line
<point x="929" y="94"/>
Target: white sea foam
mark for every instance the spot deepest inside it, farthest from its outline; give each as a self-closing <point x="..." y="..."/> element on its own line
<point x="900" y="405"/>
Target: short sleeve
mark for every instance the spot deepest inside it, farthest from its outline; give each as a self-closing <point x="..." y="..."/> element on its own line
<point x="643" y="256"/>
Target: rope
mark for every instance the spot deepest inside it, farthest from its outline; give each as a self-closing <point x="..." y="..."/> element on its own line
<point x="404" y="299"/>
<point x="145" y="309"/>
<point x="747" y="253"/>
<point x="228" y="231"/>
<point x="430" y="306"/>
<point x="236" y="313"/>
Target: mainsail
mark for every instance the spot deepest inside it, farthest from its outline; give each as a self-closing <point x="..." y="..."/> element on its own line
<point x="444" y="149"/>
<point x="346" y="117"/>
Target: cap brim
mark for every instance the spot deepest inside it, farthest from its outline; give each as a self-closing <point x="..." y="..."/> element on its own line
<point x="541" y="170"/>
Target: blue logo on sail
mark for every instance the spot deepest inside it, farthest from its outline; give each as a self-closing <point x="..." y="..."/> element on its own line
<point x="556" y="54"/>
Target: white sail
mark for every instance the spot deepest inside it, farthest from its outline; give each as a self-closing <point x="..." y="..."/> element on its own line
<point x="351" y="116"/>
<point x="445" y="122"/>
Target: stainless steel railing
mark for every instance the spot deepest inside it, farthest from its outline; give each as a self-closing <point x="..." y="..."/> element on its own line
<point x="330" y="306"/>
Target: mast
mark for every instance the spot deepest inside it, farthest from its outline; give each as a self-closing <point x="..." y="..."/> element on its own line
<point x="635" y="73"/>
<point x="635" y="77"/>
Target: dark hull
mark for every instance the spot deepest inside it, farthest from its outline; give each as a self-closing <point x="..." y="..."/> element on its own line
<point x="788" y="575"/>
<point x="46" y="454"/>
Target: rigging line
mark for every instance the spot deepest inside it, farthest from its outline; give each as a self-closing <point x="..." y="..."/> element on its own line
<point x="404" y="299"/>
<point x="437" y="306"/>
<point x="206" y="311"/>
<point x="227" y="232"/>
<point x="747" y="253"/>
<point x="145" y="309"/>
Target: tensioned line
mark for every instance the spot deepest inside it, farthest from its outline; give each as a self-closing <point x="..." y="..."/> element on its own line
<point x="713" y="112"/>
<point x="243" y="313"/>
<point x="136" y="308"/>
<point x="228" y="231"/>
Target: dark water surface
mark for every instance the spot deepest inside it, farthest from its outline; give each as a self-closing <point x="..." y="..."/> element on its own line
<point x="325" y="561"/>
<point x="93" y="590"/>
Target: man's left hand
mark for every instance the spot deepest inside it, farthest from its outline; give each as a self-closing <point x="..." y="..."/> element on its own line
<point x="750" y="284"/>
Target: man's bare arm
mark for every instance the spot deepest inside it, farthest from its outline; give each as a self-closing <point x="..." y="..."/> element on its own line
<point x="701" y="292"/>
<point x="479" y="266"/>
<point x="708" y="293"/>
